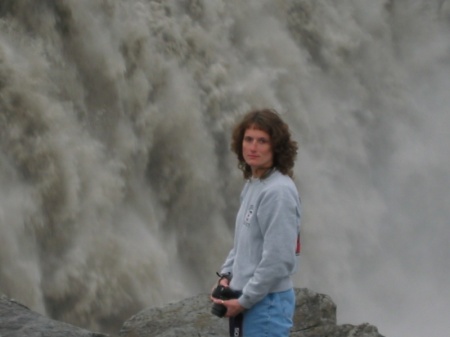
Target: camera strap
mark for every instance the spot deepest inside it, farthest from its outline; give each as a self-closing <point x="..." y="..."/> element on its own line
<point x="236" y="324"/>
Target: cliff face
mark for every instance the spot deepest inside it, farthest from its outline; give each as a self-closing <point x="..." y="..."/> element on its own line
<point x="315" y="315"/>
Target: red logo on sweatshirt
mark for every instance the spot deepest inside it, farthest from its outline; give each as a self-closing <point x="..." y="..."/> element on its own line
<point x="298" y="247"/>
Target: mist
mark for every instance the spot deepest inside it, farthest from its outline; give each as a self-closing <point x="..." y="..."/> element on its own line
<point x="118" y="188"/>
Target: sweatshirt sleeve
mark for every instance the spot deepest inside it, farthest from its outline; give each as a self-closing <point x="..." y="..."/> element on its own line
<point x="278" y="216"/>
<point x="228" y="264"/>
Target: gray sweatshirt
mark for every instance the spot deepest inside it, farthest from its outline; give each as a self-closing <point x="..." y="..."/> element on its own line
<point x="263" y="257"/>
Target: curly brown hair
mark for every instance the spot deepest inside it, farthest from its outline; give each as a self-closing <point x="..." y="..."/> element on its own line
<point x="284" y="148"/>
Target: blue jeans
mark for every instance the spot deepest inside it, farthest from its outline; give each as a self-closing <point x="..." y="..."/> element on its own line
<point x="270" y="317"/>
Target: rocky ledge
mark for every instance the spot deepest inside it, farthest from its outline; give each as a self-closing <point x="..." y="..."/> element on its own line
<point x="315" y="315"/>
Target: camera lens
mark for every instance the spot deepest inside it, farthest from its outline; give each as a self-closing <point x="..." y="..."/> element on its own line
<point x="219" y="310"/>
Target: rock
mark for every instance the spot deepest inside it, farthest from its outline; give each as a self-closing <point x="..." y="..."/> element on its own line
<point x="315" y="315"/>
<point x="16" y="320"/>
<point x="190" y="317"/>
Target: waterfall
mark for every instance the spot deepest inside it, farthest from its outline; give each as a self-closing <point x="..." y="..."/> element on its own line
<point x="118" y="187"/>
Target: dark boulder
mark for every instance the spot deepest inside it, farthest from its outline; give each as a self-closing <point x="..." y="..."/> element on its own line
<point x="16" y="320"/>
<point x="315" y="316"/>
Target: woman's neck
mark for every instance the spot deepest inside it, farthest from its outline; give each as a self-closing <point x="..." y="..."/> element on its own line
<point x="262" y="172"/>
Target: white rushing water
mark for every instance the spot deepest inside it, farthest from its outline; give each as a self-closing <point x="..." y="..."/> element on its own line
<point x="118" y="189"/>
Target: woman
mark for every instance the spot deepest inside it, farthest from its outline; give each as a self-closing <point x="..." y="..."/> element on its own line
<point x="267" y="232"/>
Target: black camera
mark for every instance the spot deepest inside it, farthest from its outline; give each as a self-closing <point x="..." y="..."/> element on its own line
<point x="222" y="293"/>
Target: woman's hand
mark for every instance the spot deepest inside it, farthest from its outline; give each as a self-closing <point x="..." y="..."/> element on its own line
<point x="233" y="306"/>
<point x="223" y="282"/>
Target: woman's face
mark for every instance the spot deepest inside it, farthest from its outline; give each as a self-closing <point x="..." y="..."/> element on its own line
<point x="257" y="150"/>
